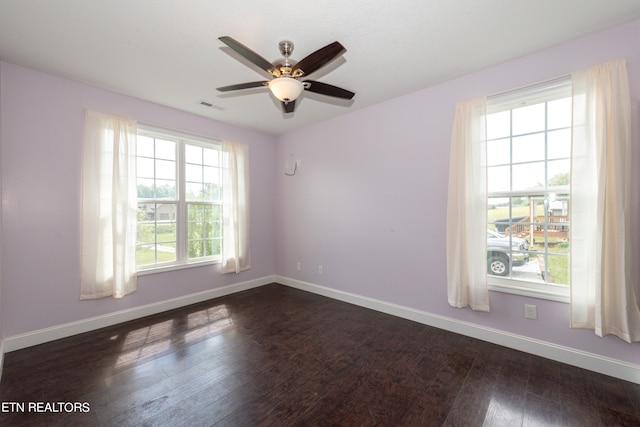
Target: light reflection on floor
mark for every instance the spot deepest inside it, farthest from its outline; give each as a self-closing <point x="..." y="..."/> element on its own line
<point x="502" y="409"/>
<point x="153" y="340"/>
<point x="213" y="320"/>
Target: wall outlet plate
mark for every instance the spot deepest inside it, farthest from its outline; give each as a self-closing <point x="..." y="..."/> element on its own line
<point x="530" y="311"/>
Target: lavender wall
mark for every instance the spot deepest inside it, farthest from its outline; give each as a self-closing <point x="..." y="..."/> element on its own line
<point x="42" y="127"/>
<point x="369" y="200"/>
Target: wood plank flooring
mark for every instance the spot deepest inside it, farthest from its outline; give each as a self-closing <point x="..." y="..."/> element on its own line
<point x="276" y="356"/>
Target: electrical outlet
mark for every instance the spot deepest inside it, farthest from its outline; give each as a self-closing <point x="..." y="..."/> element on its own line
<point x="298" y="163"/>
<point x="320" y="270"/>
<point x="530" y="311"/>
<point x="299" y="266"/>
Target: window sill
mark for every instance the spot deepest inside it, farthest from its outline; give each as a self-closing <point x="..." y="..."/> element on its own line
<point x="557" y="293"/>
<point x="162" y="269"/>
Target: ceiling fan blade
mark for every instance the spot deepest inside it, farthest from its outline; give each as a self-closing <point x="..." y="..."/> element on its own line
<point x="329" y="90"/>
<point x="242" y="86"/>
<point x="247" y="53"/>
<point x="288" y="107"/>
<point x="319" y="58"/>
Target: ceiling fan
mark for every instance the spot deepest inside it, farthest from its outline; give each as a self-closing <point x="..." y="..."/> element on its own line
<point x="286" y="84"/>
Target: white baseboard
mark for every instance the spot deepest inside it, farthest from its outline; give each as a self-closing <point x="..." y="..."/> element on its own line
<point x="582" y="359"/>
<point x="41" y="336"/>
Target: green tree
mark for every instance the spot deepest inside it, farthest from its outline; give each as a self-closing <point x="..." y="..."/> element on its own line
<point x="203" y="230"/>
<point x="559" y="179"/>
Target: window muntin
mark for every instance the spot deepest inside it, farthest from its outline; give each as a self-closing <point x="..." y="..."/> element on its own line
<point x="528" y="170"/>
<point x="179" y="180"/>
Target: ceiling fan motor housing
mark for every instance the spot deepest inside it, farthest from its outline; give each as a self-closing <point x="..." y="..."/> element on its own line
<point x="284" y="68"/>
<point x="286" y="47"/>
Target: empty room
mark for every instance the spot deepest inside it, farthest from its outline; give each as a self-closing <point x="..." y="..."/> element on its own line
<point x="418" y="213"/>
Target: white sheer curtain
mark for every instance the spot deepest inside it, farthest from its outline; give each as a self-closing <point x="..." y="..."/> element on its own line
<point x="235" y="209"/>
<point x="602" y="289"/>
<point x="467" y="209"/>
<point x="109" y="207"/>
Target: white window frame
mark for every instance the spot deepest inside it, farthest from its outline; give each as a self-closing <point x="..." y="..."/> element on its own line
<point x="182" y="259"/>
<point x="530" y="95"/>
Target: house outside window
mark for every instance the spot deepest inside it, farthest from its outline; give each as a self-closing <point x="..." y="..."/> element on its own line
<point x="179" y="182"/>
<point x="528" y="176"/>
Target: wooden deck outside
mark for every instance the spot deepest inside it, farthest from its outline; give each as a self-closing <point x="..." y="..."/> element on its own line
<point x="557" y="227"/>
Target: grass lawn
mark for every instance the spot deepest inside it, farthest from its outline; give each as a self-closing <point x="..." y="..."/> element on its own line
<point x="559" y="270"/>
<point x="145" y="256"/>
<point x="558" y="265"/>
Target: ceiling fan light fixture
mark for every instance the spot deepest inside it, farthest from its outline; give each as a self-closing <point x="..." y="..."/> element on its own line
<point x="286" y="89"/>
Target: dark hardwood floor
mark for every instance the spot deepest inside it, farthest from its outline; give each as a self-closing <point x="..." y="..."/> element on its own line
<point x="278" y="356"/>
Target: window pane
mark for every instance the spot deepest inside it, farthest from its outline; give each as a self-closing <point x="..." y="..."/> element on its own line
<point x="196" y="248"/>
<point x="528" y="148"/>
<point x="146" y="212"/>
<point x="529" y="119"/>
<point x="194" y="191"/>
<point x="216" y="229"/>
<point x="499" y="152"/>
<point x="196" y="212"/>
<point x="558" y="171"/>
<point x="558" y="231"/>
<point x="209" y="192"/>
<point x="557" y="270"/>
<point x="165" y="189"/>
<point x="559" y="113"/>
<point x="193" y="173"/>
<point x="210" y="157"/>
<point x="146" y="188"/>
<point x="146" y="233"/>
<point x="166" y="252"/>
<point x="210" y="174"/>
<point x="528" y="176"/>
<point x="559" y="144"/>
<point x="193" y="154"/>
<point x="145" y="254"/>
<point x="559" y="207"/>
<point x="166" y="213"/>
<point x="208" y="247"/>
<point x="499" y="125"/>
<point x="166" y="232"/>
<point x="216" y="245"/>
<point x="165" y="169"/>
<point x="144" y="167"/>
<point x="165" y="149"/>
<point x="216" y="212"/>
<point x="497" y="212"/>
<point x="144" y="146"/>
<point x="498" y="179"/>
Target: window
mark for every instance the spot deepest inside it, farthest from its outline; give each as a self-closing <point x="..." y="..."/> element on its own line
<point x="179" y="181"/>
<point x="528" y="173"/>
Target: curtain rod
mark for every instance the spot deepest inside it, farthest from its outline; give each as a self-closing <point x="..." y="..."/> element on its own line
<point x="176" y="132"/>
<point x="531" y="86"/>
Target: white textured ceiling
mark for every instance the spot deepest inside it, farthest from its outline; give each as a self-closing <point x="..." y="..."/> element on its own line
<point x="168" y="52"/>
